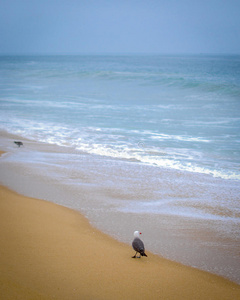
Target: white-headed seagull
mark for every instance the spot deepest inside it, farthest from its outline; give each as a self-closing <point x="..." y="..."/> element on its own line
<point x="138" y="245"/>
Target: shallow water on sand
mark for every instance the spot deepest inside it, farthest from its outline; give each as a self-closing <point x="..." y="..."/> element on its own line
<point x="188" y="217"/>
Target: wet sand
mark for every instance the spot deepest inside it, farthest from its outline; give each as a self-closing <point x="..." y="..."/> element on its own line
<point x="51" y="252"/>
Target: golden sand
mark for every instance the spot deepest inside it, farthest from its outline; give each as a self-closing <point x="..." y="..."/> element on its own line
<point x="51" y="252"/>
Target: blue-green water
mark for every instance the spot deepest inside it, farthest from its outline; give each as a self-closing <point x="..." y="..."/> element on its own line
<point x="179" y="112"/>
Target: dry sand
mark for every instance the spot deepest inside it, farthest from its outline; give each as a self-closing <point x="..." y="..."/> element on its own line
<point x="51" y="252"/>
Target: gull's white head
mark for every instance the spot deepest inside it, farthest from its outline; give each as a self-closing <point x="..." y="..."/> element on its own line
<point x="137" y="234"/>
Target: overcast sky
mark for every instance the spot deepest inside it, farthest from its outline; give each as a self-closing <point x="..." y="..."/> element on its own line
<point x="119" y="26"/>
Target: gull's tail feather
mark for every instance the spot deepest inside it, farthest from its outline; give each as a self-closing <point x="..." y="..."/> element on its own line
<point x="143" y="253"/>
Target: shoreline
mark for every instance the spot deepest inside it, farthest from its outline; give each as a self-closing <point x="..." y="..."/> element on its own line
<point x="52" y="251"/>
<point x="49" y="251"/>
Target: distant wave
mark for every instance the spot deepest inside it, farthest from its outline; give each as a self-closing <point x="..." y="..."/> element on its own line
<point x="161" y="79"/>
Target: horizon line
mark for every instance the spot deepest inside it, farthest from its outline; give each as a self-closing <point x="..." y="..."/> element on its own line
<point x="114" y="53"/>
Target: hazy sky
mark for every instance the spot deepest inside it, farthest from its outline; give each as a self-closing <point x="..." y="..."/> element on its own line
<point x="120" y="26"/>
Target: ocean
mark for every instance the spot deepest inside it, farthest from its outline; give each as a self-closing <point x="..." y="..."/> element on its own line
<point x="134" y="142"/>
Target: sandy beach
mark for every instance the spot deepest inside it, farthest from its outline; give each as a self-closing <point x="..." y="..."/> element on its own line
<point x="51" y="252"/>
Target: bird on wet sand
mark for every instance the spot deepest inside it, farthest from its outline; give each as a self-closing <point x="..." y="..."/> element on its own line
<point x="18" y="143"/>
<point x="138" y="245"/>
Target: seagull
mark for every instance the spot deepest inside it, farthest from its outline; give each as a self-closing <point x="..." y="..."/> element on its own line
<point x="138" y="245"/>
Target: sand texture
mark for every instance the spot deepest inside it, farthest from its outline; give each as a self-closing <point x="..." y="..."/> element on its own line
<point x="51" y="252"/>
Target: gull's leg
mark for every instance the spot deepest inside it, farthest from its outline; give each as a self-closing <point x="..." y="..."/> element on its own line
<point x="135" y="255"/>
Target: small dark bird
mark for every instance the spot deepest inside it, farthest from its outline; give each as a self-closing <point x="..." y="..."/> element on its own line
<point x="138" y="245"/>
<point x="18" y="143"/>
